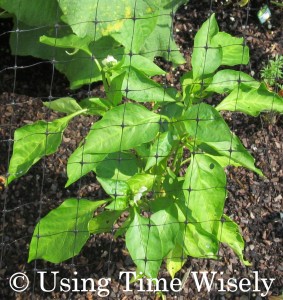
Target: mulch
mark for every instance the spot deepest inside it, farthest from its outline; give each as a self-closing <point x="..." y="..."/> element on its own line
<point x="255" y="203"/>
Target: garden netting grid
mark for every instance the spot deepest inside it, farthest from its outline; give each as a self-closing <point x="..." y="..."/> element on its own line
<point x="38" y="204"/>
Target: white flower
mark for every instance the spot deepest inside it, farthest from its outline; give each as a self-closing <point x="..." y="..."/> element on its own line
<point x="138" y="195"/>
<point x="109" y="61"/>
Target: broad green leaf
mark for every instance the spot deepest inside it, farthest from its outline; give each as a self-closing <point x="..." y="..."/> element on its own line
<point x="144" y="245"/>
<point x="70" y="41"/>
<point x="103" y="222"/>
<point x="173" y="185"/>
<point x="115" y="188"/>
<point x="115" y="20"/>
<point x="66" y="105"/>
<point x="160" y="149"/>
<point x="118" y="204"/>
<point x="29" y="41"/>
<point x="206" y="58"/>
<point x="225" y="81"/>
<point x="233" y="50"/>
<point x="78" y="68"/>
<point x="138" y="31"/>
<point x="194" y="90"/>
<point x="224" y="161"/>
<point x="138" y="181"/>
<point x="34" y="13"/>
<point x="114" y="93"/>
<point x="62" y="232"/>
<point x="198" y="242"/>
<point x="229" y="233"/>
<point x="151" y="28"/>
<point x="81" y="163"/>
<point x="236" y="153"/>
<point x="207" y="127"/>
<point x="95" y="106"/>
<point x="166" y="221"/>
<point x="143" y="64"/>
<point x="143" y="150"/>
<point x="139" y="87"/>
<point x="195" y="240"/>
<point x="122" y="128"/>
<point x="149" y="241"/>
<point x="118" y="165"/>
<point x="175" y="260"/>
<point x="33" y="141"/>
<point x="205" y="191"/>
<point x="81" y="68"/>
<point x="252" y="101"/>
<point x="172" y="110"/>
<point x="161" y="42"/>
<point x="165" y="217"/>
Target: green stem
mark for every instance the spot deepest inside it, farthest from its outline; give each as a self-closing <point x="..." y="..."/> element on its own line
<point x="165" y="118"/>
<point x="98" y="65"/>
<point x="105" y="82"/>
<point x="277" y="3"/>
<point x="79" y="112"/>
<point x="185" y="161"/>
<point x="176" y="162"/>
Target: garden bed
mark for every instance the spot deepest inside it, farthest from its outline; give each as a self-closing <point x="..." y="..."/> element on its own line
<point x="253" y="202"/>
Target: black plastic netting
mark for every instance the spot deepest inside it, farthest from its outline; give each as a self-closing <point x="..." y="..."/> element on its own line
<point x="119" y="155"/>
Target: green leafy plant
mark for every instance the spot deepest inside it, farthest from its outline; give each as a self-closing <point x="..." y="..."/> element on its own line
<point x="272" y="73"/>
<point x="164" y="166"/>
<point x="85" y="32"/>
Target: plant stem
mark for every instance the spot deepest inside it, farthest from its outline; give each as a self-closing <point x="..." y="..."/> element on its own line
<point x="277" y="3"/>
<point x="185" y="161"/>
